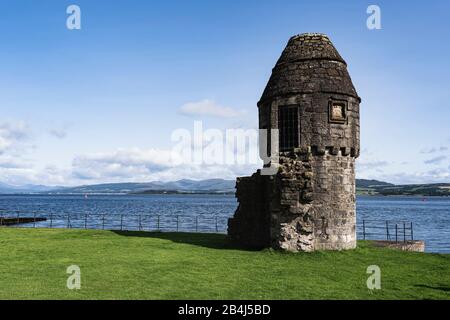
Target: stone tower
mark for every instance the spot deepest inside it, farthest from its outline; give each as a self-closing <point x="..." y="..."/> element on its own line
<point x="309" y="204"/>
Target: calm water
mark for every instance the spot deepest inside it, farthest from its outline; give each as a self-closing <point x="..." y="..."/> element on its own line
<point x="209" y="213"/>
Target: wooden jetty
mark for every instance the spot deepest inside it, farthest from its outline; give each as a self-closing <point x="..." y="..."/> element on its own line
<point x="21" y="220"/>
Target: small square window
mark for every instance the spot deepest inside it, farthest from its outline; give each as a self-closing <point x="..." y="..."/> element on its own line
<point x="338" y="112"/>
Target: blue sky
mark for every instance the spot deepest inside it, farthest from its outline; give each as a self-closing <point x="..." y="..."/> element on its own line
<point x="100" y="104"/>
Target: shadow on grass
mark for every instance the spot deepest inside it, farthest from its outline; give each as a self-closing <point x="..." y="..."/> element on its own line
<point x="207" y="240"/>
<point x="440" y="288"/>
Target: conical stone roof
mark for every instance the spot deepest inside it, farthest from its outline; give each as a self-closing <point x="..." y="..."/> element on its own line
<point x="310" y="63"/>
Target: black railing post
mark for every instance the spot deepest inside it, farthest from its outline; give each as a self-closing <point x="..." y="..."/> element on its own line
<point x="121" y="222"/>
<point x="364" y="229"/>
<point x="396" y="233"/>
<point x="387" y="231"/>
<point x="103" y="221"/>
<point x="158" y="224"/>
<point x="68" y="221"/>
<point x="404" y="232"/>
<point x="177" y="223"/>
<point x="217" y="225"/>
<point x="196" y="223"/>
<point x="412" y="234"/>
<point x="85" y="221"/>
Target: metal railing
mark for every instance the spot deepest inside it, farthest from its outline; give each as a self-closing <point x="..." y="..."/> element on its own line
<point x="389" y="230"/>
<point x="122" y="222"/>
<point x="365" y="229"/>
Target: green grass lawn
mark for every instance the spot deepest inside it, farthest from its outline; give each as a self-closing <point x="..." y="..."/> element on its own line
<point x="116" y="265"/>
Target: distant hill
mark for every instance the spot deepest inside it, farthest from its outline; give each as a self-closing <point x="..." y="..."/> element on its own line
<point x="437" y="189"/>
<point x="180" y="186"/>
<point x="4" y="188"/>
<point x="363" y="183"/>
<point x="25" y="189"/>
<point x="217" y="186"/>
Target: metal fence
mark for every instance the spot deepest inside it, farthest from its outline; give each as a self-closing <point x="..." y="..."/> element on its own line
<point x="365" y="229"/>
<point x="143" y="222"/>
<point x="389" y="230"/>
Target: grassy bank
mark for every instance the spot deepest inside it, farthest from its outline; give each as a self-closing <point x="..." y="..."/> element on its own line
<point x="117" y="265"/>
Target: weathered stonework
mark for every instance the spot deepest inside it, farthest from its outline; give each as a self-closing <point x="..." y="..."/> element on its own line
<point x="310" y="203"/>
<point x="413" y="246"/>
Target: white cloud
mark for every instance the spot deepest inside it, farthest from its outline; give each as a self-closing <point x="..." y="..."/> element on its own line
<point x="7" y="162"/>
<point x="208" y="108"/>
<point x="16" y="168"/>
<point x="132" y="163"/>
<point x="402" y="172"/>
<point x="11" y="133"/>
<point x="370" y="165"/>
<point x="137" y="165"/>
<point x="434" y="150"/>
<point x="31" y="175"/>
<point x="122" y="165"/>
<point x="435" y="160"/>
<point x="441" y="175"/>
<point x="12" y="148"/>
<point x="59" y="133"/>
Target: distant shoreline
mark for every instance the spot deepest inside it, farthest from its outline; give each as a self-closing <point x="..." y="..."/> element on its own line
<point x="120" y="194"/>
<point x="215" y="186"/>
<point x="204" y="193"/>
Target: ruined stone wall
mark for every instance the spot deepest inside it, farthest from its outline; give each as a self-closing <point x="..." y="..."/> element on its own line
<point x="308" y="205"/>
<point x="292" y="225"/>
<point x="249" y="227"/>
<point x="275" y="211"/>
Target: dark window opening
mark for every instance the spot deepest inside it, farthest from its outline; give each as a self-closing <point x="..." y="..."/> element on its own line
<point x="288" y="127"/>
